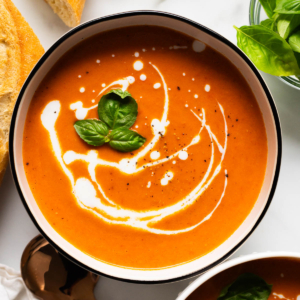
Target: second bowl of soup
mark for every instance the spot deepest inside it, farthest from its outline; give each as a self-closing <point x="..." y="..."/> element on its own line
<point x="262" y="276"/>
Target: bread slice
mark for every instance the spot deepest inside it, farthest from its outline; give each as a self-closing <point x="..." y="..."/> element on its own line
<point x="20" y="49"/>
<point x="68" y="10"/>
<point x="30" y="46"/>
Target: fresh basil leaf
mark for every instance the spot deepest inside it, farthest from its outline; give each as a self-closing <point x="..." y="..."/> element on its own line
<point x="288" y="6"/>
<point x="286" y="24"/>
<point x="269" y="23"/>
<point x="118" y="109"/>
<point x="121" y="93"/>
<point x="297" y="55"/>
<point x="93" y="132"/>
<point x="247" y="287"/>
<point x="269" y="6"/>
<point x="125" y="140"/>
<point x="268" y="51"/>
<point x="294" y="41"/>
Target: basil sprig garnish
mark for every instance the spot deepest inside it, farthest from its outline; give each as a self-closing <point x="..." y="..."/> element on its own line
<point x="117" y="112"/>
<point x="273" y="46"/>
<point x="247" y="286"/>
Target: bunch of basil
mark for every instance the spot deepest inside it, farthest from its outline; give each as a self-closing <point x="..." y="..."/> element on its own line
<point x="117" y="111"/>
<point x="274" y="45"/>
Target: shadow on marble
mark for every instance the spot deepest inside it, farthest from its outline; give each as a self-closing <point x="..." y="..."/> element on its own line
<point x="110" y="289"/>
<point x="16" y="228"/>
<point x="6" y="190"/>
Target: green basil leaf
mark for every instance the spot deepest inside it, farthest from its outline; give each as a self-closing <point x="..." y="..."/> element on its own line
<point x="118" y="109"/>
<point x="247" y="287"/>
<point x="288" y="6"/>
<point x="93" y="132"/>
<point x="125" y="140"/>
<point x="297" y="55"/>
<point x="121" y="93"/>
<point x="269" y="23"/>
<point x="286" y="24"/>
<point x="269" y="6"/>
<point x="268" y="51"/>
<point x="294" y="41"/>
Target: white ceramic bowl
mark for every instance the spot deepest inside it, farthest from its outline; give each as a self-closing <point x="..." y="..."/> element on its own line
<point x="198" y="32"/>
<point x="231" y="263"/>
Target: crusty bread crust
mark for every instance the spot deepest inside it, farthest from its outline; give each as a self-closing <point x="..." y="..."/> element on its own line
<point x="69" y="11"/>
<point x="30" y="46"/>
<point x="20" y="49"/>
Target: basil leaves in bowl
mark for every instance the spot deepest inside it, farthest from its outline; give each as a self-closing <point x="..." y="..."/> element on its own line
<point x="117" y="112"/>
<point x="272" y="41"/>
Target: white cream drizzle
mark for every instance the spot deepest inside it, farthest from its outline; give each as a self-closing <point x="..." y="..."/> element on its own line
<point x="157" y="85"/>
<point x="280" y="296"/>
<point x="207" y="88"/>
<point x="165" y="180"/>
<point x="143" y="77"/>
<point x="110" y="212"/>
<point x="198" y="46"/>
<point x="138" y="65"/>
<point x="155" y="155"/>
<point x="81" y="112"/>
<point x="183" y="155"/>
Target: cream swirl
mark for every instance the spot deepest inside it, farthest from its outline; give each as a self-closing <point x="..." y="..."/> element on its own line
<point x="105" y="208"/>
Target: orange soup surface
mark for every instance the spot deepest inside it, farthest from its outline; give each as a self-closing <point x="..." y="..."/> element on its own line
<point x="192" y="183"/>
<point x="283" y="274"/>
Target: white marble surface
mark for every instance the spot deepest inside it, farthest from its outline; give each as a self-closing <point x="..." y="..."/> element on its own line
<point x="279" y="230"/>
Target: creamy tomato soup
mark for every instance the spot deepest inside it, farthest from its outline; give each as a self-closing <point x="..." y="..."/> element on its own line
<point x="192" y="183"/>
<point x="282" y="273"/>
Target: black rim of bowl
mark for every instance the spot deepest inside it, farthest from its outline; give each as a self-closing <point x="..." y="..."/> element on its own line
<point x="207" y="31"/>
